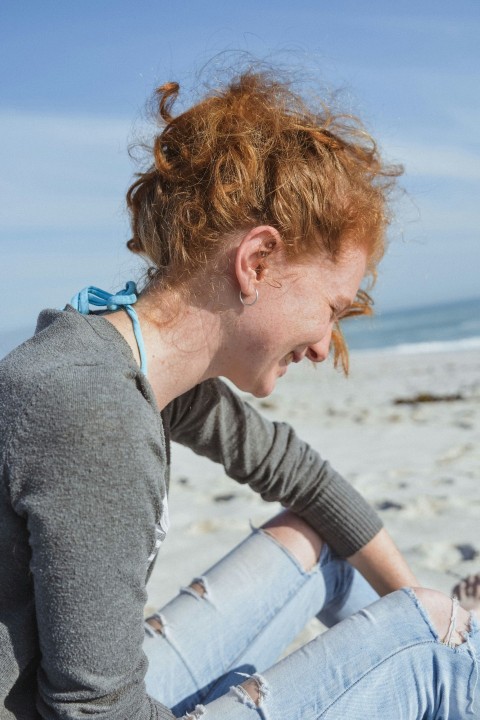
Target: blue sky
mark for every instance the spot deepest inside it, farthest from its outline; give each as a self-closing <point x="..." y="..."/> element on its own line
<point x="75" y="78"/>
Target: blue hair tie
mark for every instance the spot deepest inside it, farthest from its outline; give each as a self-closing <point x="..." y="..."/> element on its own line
<point x="124" y="299"/>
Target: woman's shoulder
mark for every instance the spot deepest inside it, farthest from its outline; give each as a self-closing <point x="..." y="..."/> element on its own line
<point x="63" y="339"/>
<point x="73" y="369"/>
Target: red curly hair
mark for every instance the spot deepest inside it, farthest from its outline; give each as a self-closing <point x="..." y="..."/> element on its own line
<point x="252" y="152"/>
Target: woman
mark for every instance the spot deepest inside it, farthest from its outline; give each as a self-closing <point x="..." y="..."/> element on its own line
<point x="260" y="218"/>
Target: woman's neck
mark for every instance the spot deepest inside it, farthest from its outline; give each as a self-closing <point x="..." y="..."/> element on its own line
<point x="181" y="345"/>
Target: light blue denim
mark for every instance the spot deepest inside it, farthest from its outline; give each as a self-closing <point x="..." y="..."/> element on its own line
<point x="383" y="660"/>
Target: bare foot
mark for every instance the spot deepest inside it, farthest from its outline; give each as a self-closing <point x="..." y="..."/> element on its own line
<point x="468" y="593"/>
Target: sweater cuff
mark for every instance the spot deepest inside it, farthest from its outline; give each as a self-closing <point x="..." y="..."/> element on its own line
<point x="350" y="522"/>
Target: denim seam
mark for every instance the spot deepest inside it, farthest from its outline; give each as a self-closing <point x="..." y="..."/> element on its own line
<point x="375" y="667"/>
<point x="162" y="636"/>
<point x="304" y="577"/>
<point x="423" y="612"/>
<point x="231" y="663"/>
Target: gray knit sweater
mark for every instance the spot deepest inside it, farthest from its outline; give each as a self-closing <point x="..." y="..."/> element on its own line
<point x="84" y="463"/>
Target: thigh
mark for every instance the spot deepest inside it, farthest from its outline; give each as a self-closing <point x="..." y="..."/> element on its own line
<point x="382" y="663"/>
<point x="255" y="601"/>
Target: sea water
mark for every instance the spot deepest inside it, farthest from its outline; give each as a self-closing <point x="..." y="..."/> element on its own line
<point x="448" y="326"/>
<point x="433" y="328"/>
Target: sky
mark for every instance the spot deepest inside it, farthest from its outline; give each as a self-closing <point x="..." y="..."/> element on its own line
<point x="75" y="78"/>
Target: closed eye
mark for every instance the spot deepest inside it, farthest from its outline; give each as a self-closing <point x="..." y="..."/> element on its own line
<point x="338" y="314"/>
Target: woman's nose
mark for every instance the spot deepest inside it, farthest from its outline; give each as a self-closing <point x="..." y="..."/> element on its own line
<point x="319" y="351"/>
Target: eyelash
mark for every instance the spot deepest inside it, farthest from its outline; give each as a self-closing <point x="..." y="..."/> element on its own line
<point x="342" y="315"/>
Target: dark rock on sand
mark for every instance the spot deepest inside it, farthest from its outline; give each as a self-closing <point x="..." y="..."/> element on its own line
<point x="388" y="505"/>
<point x="467" y="551"/>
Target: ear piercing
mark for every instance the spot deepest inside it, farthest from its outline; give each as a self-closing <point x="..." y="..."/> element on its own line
<point x="249" y="304"/>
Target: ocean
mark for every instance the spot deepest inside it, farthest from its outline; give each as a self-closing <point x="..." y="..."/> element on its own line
<point x="434" y="328"/>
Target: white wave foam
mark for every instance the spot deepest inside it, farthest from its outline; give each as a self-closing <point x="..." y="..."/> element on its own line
<point x="472" y="343"/>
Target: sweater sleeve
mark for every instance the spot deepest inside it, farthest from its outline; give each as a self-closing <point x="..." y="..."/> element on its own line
<point x="85" y="474"/>
<point x="272" y="459"/>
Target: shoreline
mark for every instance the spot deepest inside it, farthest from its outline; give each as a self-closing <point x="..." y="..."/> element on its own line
<point x="420" y="348"/>
<point x="10" y="338"/>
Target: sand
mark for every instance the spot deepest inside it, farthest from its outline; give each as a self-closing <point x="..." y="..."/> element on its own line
<point x="418" y="463"/>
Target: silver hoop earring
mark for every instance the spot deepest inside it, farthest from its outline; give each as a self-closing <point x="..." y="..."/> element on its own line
<point x="249" y="304"/>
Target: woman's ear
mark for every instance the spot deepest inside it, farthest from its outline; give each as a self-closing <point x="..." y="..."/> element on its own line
<point x="252" y="257"/>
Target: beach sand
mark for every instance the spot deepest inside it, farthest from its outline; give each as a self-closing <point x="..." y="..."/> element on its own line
<point x="418" y="463"/>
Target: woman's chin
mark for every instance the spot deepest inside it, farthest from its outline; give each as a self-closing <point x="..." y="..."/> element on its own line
<point x="265" y="386"/>
<point x="261" y="393"/>
<point x="262" y="385"/>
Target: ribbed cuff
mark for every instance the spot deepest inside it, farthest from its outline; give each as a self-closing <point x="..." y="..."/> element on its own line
<point x="342" y="517"/>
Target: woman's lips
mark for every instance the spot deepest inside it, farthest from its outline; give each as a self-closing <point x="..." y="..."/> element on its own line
<point x="293" y="356"/>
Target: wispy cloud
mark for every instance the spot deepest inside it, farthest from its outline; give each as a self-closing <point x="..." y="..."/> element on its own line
<point x="62" y="171"/>
<point x="451" y="162"/>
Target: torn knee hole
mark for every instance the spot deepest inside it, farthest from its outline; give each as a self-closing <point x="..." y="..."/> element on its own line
<point x="253" y="689"/>
<point x="450" y="621"/>
<point x="198" y="587"/>
<point x="197" y="713"/>
<point x="457" y="628"/>
<point x="156" y="624"/>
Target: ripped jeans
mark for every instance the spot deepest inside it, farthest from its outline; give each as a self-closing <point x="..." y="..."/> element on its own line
<point x="385" y="662"/>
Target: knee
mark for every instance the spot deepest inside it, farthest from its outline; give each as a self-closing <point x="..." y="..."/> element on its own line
<point x="255" y="690"/>
<point x="449" y="619"/>
<point x="297" y="536"/>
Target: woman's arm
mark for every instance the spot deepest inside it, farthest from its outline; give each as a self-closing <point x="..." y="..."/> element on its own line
<point x="215" y="422"/>
<point x="272" y="459"/>
<point x="382" y="564"/>
<point x="86" y="476"/>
